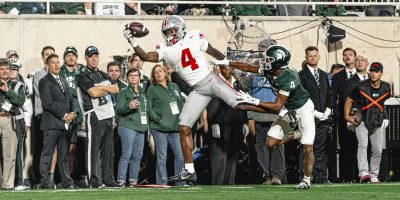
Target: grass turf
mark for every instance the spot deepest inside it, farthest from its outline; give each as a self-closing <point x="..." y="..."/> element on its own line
<point x="243" y="192"/>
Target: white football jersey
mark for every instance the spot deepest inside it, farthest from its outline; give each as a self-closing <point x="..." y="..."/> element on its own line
<point x="187" y="57"/>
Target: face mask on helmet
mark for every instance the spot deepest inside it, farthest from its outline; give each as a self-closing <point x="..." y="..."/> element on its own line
<point x="173" y="29"/>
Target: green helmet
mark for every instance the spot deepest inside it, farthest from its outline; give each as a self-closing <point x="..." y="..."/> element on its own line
<point x="276" y="57"/>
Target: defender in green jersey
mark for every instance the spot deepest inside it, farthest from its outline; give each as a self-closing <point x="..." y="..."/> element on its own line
<point x="291" y="95"/>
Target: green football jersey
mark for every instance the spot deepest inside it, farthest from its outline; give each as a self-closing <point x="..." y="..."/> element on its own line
<point x="71" y="80"/>
<point x="289" y="82"/>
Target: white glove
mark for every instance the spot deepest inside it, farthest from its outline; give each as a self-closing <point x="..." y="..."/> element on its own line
<point x="351" y="127"/>
<point x="319" y="115"/>
<point x="385" y="123"/>
<point x="328" y="112"/>
<point x="245" y="130"/>
<point x="219" y="62"/>
<point x="243" y="97"/>
<point x="128" y="35"/>
<point x="215" y="130"/>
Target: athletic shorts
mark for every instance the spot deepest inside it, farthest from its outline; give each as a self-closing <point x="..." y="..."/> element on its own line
<point x="211" y="86"/>
<point x="306" y="124"/>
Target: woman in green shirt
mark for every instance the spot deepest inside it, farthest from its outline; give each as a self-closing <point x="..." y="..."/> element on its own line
<point x="165" y="105"/>
<point x="132" y="114"/>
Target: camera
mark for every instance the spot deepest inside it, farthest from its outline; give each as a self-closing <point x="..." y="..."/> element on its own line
<point x="102" y="101"/>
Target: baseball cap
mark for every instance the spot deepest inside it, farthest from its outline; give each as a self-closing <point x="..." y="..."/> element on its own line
<point x="90" y="50"/>
<point x="376" y="66"/>
<point x="11" y="52"/>
<point x="15" y="63"/>
<point x="70" y="49"/>
<point x="266" y="43"/>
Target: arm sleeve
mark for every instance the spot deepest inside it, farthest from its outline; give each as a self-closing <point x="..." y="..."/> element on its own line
<point x="16" y="98"/>
<point x="122" y="104"/>
<point x="84" y="82"/>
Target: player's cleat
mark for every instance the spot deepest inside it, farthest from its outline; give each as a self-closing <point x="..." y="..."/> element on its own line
<point x="366" y="178"/>
<point x="276" y="181"/>
<point x="184" y="176"/>
<point x="302" y="185"/>
<point x="374" y="180"/>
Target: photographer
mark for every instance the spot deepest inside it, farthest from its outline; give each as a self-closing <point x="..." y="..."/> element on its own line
<point x="10" y="101"/>
<point x="99" y="111"/>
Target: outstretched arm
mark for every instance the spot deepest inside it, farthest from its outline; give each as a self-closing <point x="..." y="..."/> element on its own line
<point x="244" y="66"/>
<point x="150" y="56"/>
<point x="274" y="106"/>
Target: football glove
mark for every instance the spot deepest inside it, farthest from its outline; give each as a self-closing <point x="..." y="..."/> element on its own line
<point x="128" y="35"/>
<point x="320" y="116"/>
<point x="219" y="62"/>
<point x="243" y="97"/>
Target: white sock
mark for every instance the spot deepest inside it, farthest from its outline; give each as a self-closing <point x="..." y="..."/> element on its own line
<point x="307" y="179"/>
<point x="189" y="167"/>
<point x="296" y="135"/>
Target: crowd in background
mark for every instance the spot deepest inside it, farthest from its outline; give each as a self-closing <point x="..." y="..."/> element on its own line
<point x="194" y="9"/>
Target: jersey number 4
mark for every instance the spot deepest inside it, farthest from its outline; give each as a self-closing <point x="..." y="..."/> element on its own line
<point x="188" y="60"/>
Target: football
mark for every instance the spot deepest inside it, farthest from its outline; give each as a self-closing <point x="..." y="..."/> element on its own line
<point x="357" y="114"/>
<point x="138" y="29"/>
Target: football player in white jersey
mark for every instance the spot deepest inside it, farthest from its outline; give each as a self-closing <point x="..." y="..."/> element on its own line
<point x="183" y="50"/>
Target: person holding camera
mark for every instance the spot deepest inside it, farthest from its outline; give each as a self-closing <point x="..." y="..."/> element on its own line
<point x="10" y="102"/>
<point x="132" y="125"/>
<point x="99" y="112"/>
<point x="369" y="97"/>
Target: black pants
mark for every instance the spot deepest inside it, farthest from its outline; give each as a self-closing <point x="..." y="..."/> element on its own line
<point x="51" y="138"/>
<point x="348" y="152"/>
<point x="272" y="161"/>
<point x="101" y="150"/>
<point x="224" y="153"/>
<point x="320" y="173"/>
<point x="36" y="145"/>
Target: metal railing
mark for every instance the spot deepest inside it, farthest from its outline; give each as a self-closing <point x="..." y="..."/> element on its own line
<point x="313" y="4"/>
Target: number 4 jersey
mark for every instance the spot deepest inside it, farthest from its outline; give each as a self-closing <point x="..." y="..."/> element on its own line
<point x="187" y="57"/>
<point x="288" y="83"/>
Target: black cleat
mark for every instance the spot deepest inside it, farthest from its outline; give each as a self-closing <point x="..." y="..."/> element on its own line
<point x="184" y="176"/>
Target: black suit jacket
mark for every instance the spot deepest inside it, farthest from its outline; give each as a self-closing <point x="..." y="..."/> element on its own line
<point x="320" y="95"/>
<point x="55" y="103"/>
<point x="338" y="90"/>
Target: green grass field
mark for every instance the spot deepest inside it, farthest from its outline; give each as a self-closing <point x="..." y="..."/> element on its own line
<point x="243" y="192"/>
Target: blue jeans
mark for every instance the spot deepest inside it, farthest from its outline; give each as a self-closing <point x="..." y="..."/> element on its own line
<point x="161" y="141"/>
<point x="132" y="143"/>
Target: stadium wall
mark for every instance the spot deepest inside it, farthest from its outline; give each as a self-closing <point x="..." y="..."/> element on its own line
<point x="28" y="34"/>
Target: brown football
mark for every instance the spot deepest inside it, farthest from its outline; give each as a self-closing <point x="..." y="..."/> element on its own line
<point x="358" y="116"/>
<point x="138" y="29"/>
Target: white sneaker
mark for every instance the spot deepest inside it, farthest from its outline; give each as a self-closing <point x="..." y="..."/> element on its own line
<point x="374" y="180"/>
<point x="19" y="188"/>
<point x="303" y="185"/>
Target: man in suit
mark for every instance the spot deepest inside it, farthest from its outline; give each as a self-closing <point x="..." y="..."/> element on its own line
<point x="316" y="82"/>
<point x="56" y="123"/>
<point x="347" y="139"/>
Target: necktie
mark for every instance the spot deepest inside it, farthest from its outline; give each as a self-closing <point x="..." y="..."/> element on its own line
<point x="60" y="84"/>
<point x="350" y="74"/>
<point x="316" y="76"/>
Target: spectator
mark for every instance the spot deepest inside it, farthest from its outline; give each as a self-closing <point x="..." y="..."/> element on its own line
<point x="96" y="89"/>
<point x="37" y="135"/>
<point x="10" y="102"/>
<point x="33" y="8"/>
<point x="136" y="62"/>
<point x="11" y="8"/>
<point x="195" y="10"/>
<point x="370" y="96"/>
<point x="228" y="127"/>
<point x="68" y="8"/>
<point x="114" y="74"/>
<point x="335" y="68"/>
<point x="58" y="119"/>
<point x="70" y="70"/>
<point x="169" y="69"/>
<point x="164" y="105"/>
<point x="330" y="10"/>
<point x="132" y="113"/>
<point x="12" y="54"/>
<point x="252" y="10"/>
<point x="24" y="114"/>
<point x="347" y="138"/>
<point x="293" y="10"/>
<point x="315" y="82"/>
